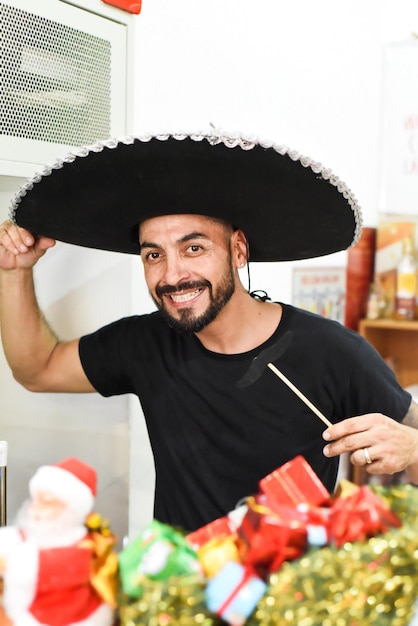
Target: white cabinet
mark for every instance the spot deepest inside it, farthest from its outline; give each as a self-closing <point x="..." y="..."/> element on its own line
<point x="65" y="79"/>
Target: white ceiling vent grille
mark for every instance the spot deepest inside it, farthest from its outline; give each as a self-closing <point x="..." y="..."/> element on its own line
<point x="55" y="80"/>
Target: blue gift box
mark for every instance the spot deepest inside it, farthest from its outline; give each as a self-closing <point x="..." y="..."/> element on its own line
<point x="234" y="593"/>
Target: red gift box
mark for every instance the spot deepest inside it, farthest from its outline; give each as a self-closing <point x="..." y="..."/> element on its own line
<point x="221" y="527"/>
<point x="294" y="483"/>
<point x="266" y="539"/>
<point x="360" y="516"/>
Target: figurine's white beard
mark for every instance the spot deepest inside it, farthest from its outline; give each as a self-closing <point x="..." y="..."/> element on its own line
<point x="63" y="530"/>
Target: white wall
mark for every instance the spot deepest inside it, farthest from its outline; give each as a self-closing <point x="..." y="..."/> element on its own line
<point x="306" y="74"/>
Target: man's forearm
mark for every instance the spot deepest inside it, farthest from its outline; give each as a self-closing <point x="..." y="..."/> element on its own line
<point x="27" y="339"/>
<point x="411" y="419"/>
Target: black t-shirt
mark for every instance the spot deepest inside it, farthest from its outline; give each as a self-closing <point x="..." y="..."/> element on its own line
<point x="212" y="441"/>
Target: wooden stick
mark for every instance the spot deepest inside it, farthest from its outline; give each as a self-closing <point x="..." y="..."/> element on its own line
<point x="299" y="393"/>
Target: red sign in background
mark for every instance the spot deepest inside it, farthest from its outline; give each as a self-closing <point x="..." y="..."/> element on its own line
<point x="127" y="5"/>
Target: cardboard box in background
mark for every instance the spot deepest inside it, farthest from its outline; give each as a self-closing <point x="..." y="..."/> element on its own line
<point x="360" y="272"/>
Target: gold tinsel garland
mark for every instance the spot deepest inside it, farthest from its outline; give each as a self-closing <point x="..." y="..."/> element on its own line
<point x="362" y="583"/>
<point x="174" y="602"/>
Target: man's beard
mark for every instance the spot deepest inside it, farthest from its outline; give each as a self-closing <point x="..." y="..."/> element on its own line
<point x="188" y="322"/>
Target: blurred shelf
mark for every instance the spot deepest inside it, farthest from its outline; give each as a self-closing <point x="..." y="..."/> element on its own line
<point x="397" y="342"/>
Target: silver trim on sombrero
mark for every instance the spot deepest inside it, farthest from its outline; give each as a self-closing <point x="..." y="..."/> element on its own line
<point x="230" y="141"/>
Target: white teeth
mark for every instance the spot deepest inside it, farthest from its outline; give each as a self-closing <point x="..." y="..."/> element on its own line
<point x="185" y="296"/>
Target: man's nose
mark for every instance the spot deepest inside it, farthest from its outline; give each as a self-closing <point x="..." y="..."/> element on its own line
<point x="176" y="270"/>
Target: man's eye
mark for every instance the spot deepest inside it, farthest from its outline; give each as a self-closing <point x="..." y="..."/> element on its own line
<point x="151" y="257"/>
<point x="195" y="247"/>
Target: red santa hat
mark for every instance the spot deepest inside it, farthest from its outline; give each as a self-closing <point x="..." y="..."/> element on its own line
<point x="71" y="481"/>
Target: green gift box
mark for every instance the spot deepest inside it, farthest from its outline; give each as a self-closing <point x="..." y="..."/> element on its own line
<point x="156" y="554"/>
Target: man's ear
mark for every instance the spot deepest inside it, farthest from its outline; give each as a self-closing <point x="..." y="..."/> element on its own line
<point x="240" y="248"/>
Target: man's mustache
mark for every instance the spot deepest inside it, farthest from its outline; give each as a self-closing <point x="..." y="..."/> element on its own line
<point x="165" y="290"/>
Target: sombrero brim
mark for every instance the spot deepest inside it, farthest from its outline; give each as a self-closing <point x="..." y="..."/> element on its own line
<point x="288" y="206"/>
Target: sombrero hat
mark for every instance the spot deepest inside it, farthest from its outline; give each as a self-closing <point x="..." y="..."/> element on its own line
<point x="289" y="206"/>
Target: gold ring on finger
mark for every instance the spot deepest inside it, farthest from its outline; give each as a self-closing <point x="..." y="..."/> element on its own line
<point x="367" y="456"/>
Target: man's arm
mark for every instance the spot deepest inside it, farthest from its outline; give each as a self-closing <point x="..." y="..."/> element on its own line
<point x="411" y="419"/>
<point x="38" y="360"/>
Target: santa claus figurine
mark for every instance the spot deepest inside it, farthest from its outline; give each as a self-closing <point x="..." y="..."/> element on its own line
<point x="49" y="560"/>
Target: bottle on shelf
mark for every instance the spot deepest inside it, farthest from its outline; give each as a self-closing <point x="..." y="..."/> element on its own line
<point x="372" y="312"/>
<point x="376" y="303"/>
<point x="406" y="283"/>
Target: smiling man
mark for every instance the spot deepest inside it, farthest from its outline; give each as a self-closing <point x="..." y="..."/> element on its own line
<point x="197" y="208"/>
<point x="189" y="268"/>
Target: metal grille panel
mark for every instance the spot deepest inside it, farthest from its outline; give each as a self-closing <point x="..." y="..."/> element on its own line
<point x="54" y="80"/>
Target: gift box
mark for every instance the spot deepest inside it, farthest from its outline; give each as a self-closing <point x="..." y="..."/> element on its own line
<point x="234" y="593"/>
<point x="157" y="553"/>
<point x="359" y="516"/>
<point x="221" y="527"/>
<point x="214" y="554"/>
<point x="293" y="483"/>
<point x="267" y="538"/>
